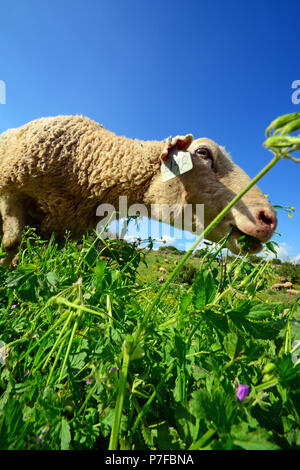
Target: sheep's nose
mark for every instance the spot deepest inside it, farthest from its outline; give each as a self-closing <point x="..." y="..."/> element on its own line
<point x="267" y="218"/>
<point x="267" y="222"/>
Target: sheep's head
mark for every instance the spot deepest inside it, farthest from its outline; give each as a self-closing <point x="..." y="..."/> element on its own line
<point x="214" y="181"/>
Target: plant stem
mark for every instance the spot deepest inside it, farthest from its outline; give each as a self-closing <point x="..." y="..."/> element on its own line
<point x="56" y="342"/>
<point x="203" y="440"/>
<point x="56" y="359"/>
<point x="68" y="350"/>
<point x="114" y="436"/>
<point x="268" y="384"/>
<point x="150" y="400"/>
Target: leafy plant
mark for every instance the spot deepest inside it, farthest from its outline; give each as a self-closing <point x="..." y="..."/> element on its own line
<point x="93" y="358"/>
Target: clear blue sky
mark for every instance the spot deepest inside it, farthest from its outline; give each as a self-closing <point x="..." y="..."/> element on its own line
<point x="150" y="69"/>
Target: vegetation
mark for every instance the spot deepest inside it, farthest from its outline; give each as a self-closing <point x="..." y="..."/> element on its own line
<point x="66" y="311"/>
<point x="96" y="354"/>
<point x="290" y="271"/>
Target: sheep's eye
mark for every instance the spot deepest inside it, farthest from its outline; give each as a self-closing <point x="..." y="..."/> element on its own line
<point x="205" y="153"/>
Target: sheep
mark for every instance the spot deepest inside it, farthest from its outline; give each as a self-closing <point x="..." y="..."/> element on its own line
<point x="293" y="291"/>
<point x="280" y="286"/>
<point x="55" y="171"/>
<point x="162" y="270"/>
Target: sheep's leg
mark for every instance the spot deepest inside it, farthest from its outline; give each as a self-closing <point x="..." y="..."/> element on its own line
<point x="13" y="222"/>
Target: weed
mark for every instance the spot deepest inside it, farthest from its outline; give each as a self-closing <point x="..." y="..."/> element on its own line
<point x="93" y="358"/>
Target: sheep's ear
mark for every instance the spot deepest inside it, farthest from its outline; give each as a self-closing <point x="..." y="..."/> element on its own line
<point x="183" y="142"/>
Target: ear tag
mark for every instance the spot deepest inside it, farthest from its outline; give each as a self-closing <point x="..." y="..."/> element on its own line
<point x="177" y="163"/>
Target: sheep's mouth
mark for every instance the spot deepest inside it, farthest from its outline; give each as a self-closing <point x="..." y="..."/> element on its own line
<point x="247" y="243"/>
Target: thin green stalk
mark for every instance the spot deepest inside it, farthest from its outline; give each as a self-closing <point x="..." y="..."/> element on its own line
<point x="203" y="440"/>
<point x="221" y="246"/>
<point x="57" y="340"/>
<point x="56" y="359"/>
<point x="270" y="383"/>
<point x="62" y="318"/>
<point x="114" y="436"/>
<point x="40" y="353"/>
<point x="94" y="242"/>
<point x="222" y="243"/>
<point x="109" y="311"/>
<point x="48" y="303"/>
<point x="88" y="396"/>
<point x="68" y="350"/>
<point x="147" y="405"/>
<point x="288" y="338"/>
<point x="67" y="303"/>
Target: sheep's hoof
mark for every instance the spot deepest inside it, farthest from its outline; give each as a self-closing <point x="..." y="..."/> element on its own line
<point x="10" y="260"/>
<point x="11" y="244"/>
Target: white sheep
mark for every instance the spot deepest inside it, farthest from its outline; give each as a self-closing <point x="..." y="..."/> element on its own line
<point x="55" y="171"/>
<point x="162" y="270"/>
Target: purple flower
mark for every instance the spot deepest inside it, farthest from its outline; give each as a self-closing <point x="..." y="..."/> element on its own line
<point x="39" y="440"/>
<point x="88" y="380"/>
<point x="13" y="306"/>
<point x="26" y="372"/>
<point x="242" y="392"/>
<point x="112" y="370"/>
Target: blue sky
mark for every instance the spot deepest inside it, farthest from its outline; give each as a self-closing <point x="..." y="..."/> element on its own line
<point x="152" y="69"/>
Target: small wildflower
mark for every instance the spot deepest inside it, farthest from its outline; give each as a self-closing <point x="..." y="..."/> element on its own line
<point x="39" y="440"/>
<point x="290" y="215"/>
<point x="112" y="370"/>
<point x="242" y="392"/>
<point x="88" y="380"/>
<point x="266" y="195"/>
<point x="13" y="306"/>
<point x="26" y="372"/>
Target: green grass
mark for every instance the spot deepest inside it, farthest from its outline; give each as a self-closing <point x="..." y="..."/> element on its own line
<point x="97" y="354"/>
<point x="67" y="314"/>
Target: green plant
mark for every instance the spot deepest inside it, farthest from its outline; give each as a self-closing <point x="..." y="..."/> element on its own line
<point x="98" y="359"/>
<point x="187" y="273"/>
<point x="290" y="271"/>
